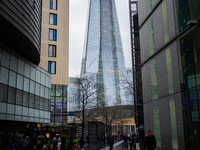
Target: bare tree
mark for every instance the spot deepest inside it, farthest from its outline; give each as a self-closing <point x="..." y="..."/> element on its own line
<point x="134" y="87"/>
<point x="127" y="82"/>
<point x="120" y="119"/>
<point x="87" y="88"/>
<point x="107" y="115"/>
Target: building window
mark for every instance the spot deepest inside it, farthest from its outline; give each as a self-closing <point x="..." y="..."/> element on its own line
<point x="52" y="67"/>
<point x="53" y="19"/>
<point x="52" y="34"/>
<point x="53" y="4"/>
<point x="52" y="50"/>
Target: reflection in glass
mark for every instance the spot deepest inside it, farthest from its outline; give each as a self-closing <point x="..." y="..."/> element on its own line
<point x="173" y="122"/>
<point x="11" y="95"/>
<point x="4" y="76"/>
<point x="12" y="79"/>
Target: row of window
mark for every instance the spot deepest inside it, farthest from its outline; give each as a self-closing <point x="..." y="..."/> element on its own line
<point x="52" y="37"/>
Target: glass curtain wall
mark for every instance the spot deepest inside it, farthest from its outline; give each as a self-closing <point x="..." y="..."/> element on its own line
<point x="189" y="59"/>
<point x="190" y="85"/>
<point x="103" y="54"/>
<point x="58" y="105"/>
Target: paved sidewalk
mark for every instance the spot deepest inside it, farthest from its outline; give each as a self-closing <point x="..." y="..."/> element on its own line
<point x="116" y="146"/>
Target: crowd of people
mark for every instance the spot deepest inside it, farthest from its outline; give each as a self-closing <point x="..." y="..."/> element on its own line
<point x="133" y="142"/>
<point x="22" y="142"/>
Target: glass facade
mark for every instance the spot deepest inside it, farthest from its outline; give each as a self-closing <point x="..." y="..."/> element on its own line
<point x="24" y="89"/>
<point x="189" y="54"/>
<point x="103" y="52"/>
<point x="171" y="68"/>
<point x="58" y="105"/>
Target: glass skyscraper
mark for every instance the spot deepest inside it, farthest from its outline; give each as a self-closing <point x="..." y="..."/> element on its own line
<point x="103" y="53"/>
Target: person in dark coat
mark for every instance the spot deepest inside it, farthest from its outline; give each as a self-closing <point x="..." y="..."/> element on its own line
<point x="150" y="141"/>
<point x="103" y="139"/>
<point x="71" y="144"/>
<point x="63" y="141"/>
<point x="125" y="141"/>
<point x="111" y="142"/>
<point x="40" y="144"/>
<point x="15" y="144"/>
<point x="3" y="141"/>
<point x="53" y="145"/>
<point x="27" y="145"/>
<point x="131" y="142"/>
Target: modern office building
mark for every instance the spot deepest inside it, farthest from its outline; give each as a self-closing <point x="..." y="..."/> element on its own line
<point x="103" y="53"/>
<point x="55" y="55"/>
<point x="24" y="86"/>
<point x="169" y="43"/>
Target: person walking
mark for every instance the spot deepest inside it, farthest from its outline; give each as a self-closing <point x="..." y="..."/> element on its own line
<point x="27" y="145"/>
<point x="53" y="145"/>
<point x="131" y="142"/>
<point x="111" y="142"/>
<point x="71" y="144"/>
<point x="3" y="141"/>
<point x="150" y="141"/>
<point x="63" y="141"/>
<point x="103" y="139"/>
<point x="40" y="144"/>
<point x="125" y="141"/>
<point x="58" y="139"/>
<point x="20" y="140"/>
<point x="15" y="144"/>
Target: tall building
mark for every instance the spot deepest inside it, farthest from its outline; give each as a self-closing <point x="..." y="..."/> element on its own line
<point x="55" y="55"/>
<point x="169" y="43"/>
<point x="24" y="86"/>
<point x="103" y="53"/>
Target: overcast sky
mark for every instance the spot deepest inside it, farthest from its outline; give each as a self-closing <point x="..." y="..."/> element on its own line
<point x="78" y="18"/>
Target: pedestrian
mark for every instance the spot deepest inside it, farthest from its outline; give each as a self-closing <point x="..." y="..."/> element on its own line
<point x="15" y="144"/>
<point x="131" y="142"/>
<point x="40" y="144"/>
<point x="103" y="139"/>
<point x="26" y="145"/>
<point x="3" y="141"/>
<point x="53" y="145"/>
<point x="63" y="141"/>
<point x="125" y="141"/>
<point x="137" y="141"/>
<point x="20" y="140"/>
<point x="111" y="142"/>
<point x="58" y="139"/>
<point x="81" y="143"/>
<point x="71" y="144"/>
<point x="150" y="141"/>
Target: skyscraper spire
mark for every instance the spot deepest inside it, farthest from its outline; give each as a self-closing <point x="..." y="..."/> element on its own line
<point x="103" y="54"/>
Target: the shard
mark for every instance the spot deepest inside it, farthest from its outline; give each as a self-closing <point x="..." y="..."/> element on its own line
<point x="103" y="53"/>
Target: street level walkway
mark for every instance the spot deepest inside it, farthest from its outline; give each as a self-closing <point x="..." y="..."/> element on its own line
<point x="116" y="146"/>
